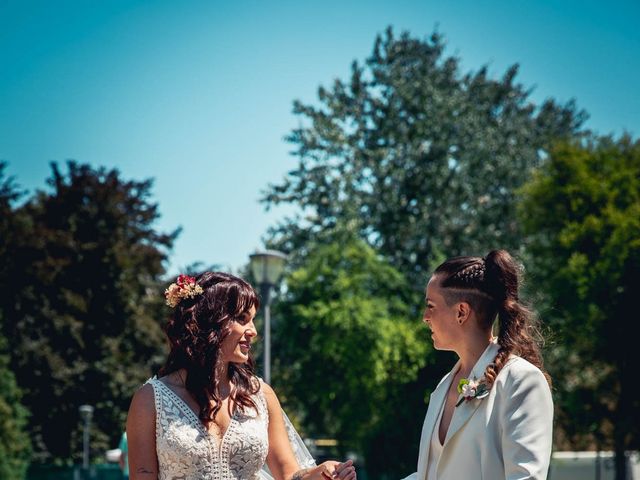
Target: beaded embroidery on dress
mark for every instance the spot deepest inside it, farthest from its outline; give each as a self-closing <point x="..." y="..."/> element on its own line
<point x="186" y="451"/>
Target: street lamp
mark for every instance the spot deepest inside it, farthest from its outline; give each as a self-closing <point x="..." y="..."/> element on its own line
<point x="86" y="412"/>
<point x="267" y="267"/>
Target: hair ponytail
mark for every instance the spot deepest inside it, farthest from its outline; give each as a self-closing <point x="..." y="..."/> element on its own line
<point x="518" y="332"/>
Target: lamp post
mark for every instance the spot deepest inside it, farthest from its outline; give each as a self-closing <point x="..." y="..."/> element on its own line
<point x="267" y="267"/>
<point x="86" y="412"/>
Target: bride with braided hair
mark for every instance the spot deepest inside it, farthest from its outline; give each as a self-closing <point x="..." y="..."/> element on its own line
<point x="207" y="415"/>
<point x="491" y="416"/>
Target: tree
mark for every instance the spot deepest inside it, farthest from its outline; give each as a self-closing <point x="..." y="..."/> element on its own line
<point x="9" y="222"/>
<point x="425" y="159"/>
<point x="582" y="214"/>
<point x="82" y="305"/>
<point x="424" y="162"/>
<point x="347" y="349"/>
<point x="15" y="447"/>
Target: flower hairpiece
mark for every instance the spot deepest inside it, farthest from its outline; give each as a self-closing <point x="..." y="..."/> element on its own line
<point x="470" y="389"/>
<point x="184" y="287"/>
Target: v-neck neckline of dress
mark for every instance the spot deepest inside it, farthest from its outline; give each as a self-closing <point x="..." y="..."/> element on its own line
<point x="196" y="421"/>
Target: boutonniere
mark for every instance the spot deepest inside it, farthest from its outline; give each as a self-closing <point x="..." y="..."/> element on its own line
<point x="470" y="389"/>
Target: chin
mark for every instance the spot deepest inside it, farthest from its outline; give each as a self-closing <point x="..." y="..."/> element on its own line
<point x="240" y="358"/>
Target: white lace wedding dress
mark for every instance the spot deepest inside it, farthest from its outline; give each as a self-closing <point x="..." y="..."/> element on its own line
<point x="187" y="451"/>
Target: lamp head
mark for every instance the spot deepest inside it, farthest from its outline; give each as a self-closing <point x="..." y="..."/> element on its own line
<point x="86" y="411"/>
<point x="267" y="266"/>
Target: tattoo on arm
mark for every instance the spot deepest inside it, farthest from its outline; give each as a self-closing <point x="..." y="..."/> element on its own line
<point x="144" y="471"/>
<point x="299" y="474"/>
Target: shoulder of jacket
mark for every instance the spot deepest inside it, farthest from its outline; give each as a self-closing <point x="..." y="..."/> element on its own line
<point x="517" y="370"/>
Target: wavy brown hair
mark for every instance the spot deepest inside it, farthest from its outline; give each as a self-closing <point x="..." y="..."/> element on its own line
<point x="196" y="331"/>
<point x="490" y="286"/>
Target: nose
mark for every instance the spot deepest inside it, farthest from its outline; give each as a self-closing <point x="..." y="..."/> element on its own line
<point x="425" y="316"/>
<point x="251" y="331"/>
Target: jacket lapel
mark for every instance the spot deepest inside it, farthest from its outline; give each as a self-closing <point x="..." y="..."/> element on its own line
<point x="435" y="405"/>
<point x="463" y="412"/>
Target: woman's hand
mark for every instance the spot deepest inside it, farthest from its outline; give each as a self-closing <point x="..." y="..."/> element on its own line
<point x="345" y="471"/>
<point x="329" y="470"/>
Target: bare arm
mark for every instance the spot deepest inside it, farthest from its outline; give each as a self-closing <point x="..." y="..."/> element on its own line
<point x="282" y="463"/>
<point x="141" y="434"/>
<point x="281" y="460"/>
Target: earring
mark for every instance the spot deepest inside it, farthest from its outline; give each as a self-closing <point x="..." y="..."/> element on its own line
<point x="460" y="321"/>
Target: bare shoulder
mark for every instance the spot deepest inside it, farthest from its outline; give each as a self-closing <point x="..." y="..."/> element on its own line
<point x="273" y="404"/>
<point x="143" y="401"/>
<point x="266" y="388"/>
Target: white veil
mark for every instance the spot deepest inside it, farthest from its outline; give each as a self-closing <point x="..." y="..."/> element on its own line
<point x="300" y="450"/>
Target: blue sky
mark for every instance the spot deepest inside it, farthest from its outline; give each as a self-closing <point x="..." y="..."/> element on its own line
<point x="198" y="94"/>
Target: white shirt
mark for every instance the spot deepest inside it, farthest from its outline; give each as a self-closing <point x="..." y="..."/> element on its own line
<point x="436" y="448"/>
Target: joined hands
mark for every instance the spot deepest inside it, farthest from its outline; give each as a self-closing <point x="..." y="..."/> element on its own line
<point x="332" y="470"/>
<point x="329" y="470"/>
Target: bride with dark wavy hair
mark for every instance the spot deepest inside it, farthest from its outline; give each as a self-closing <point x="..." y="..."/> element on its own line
<point x="207" y="415"/>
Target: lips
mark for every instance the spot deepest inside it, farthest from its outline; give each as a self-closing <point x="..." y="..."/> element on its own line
<point x="245" y="345"/>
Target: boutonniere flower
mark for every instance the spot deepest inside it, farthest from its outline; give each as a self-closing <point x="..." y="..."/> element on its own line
<point x="470" y="389"/>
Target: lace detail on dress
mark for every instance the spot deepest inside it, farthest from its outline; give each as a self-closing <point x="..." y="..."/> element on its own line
<point x="187" y="451"/>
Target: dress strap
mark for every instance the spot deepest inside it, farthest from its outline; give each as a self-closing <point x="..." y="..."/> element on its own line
<point x="261" y="403"/>
<point x="157" y="394"/>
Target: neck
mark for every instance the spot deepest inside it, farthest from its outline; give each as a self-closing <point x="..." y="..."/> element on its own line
<point x="471" y="351"/>
<point x="222" y="372"/>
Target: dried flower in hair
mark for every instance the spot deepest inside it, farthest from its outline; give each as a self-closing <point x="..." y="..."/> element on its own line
<point x="184" y="287"/>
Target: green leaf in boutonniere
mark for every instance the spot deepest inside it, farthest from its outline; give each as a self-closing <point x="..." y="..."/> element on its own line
<point x="470" y="389"/>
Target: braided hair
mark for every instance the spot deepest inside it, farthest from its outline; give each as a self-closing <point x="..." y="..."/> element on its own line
<point x="490" y="286"/>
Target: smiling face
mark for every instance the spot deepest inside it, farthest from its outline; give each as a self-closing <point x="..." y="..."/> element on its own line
<point x="236" y="346"/>
<point x="442" y="319"/>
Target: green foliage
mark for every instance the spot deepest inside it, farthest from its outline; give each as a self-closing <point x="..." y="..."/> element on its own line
<point x="424" y="159"/>
<point x="346" y="344"/>
<point x="82" y="303"/>
<point x="421" y="161"/>
<point x="15" y="447"/>
<point x="9" y="221"/>
<point x="582" y="213"/>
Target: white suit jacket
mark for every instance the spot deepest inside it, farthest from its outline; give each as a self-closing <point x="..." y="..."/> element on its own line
<point x="506" y="435"/>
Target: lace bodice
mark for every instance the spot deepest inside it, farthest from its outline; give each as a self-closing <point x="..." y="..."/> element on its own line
<point x="186" y="451"/>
